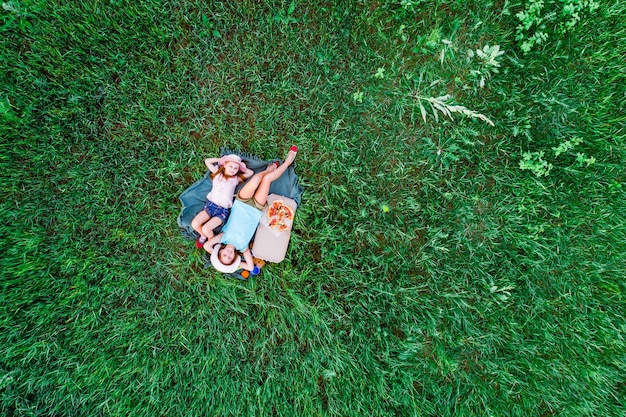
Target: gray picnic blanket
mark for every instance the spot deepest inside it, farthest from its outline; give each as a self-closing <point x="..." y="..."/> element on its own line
<point x="194" y="197"/>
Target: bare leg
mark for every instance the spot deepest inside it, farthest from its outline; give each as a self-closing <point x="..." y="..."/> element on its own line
<point x="263" y="189"/>
<point x="207" y="229"/>
<point x="247" y="191"/>
<point x="199" y="220"/>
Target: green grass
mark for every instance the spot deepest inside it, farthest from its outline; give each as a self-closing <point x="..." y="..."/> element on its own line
<point x="428" y="275"/>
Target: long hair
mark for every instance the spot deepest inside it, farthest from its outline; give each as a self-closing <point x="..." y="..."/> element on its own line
<point x="220" y="170"/>
<point x="219" y="253"/>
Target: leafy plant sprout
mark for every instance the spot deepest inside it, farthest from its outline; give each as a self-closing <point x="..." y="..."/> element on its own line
<point x="487" y="58"/>
<point x="442" y="105"/>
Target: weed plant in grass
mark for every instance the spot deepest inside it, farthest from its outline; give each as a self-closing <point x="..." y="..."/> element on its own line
<point x="428" y="275"/>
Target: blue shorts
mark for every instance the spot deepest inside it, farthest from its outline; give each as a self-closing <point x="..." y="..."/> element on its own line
<point x="216" y="211"/>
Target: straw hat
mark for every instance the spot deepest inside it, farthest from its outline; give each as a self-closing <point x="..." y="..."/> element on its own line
<point x="232" y="158"/>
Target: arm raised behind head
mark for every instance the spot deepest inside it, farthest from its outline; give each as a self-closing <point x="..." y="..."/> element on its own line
<point x="247" y="262"/>
<point x="211" y="163"/>
<point x="247" y="174"/>
<point x="209" y="244"/>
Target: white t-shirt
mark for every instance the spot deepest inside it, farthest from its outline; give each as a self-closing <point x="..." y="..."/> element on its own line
<point x="223" y="191"/>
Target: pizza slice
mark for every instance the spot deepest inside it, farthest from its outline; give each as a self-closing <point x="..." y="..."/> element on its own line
<point x="287" y="212"/>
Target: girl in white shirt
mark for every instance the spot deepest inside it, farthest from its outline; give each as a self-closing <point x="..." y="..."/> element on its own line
<point x="227" y="173"/>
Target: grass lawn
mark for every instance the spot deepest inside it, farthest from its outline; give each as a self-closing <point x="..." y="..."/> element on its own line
<point x="459" y="249"/>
